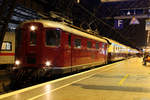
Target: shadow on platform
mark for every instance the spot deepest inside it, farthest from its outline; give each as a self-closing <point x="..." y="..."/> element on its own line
<point x="114" y="88"/>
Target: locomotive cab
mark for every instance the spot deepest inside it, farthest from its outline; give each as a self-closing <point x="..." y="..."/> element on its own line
<point x="33" y="42"/>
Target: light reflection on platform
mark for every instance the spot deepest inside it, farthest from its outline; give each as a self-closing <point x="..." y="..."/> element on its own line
<point x="97" y="84"/>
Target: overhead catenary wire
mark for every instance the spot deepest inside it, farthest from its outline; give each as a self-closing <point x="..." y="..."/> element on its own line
<point x="103" y="22"/>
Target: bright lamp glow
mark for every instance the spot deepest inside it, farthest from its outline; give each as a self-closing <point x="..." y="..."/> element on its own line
<point x="17" y="62"/>
<point x="48" y="63"/>
<point x="33" y="28"/>
<point x="78" y="1"/>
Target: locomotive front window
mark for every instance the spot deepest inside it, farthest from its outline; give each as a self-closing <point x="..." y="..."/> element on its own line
<point x="52" y="37"/>
<point x="32" y="38"/>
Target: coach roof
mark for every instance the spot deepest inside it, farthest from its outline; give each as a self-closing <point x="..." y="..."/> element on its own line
<point x="47" y="23"/>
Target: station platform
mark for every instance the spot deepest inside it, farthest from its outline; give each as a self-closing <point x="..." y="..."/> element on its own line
<point x="124" y="80"/>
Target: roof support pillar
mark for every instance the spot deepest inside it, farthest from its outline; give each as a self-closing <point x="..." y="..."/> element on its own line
<point x="6" y="11"/>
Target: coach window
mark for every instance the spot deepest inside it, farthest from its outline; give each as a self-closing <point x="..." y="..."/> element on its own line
<point x="114" y="48"/>
<point x="89" y="44"/>
<point x="69" y="39"/>
<point x="97" y="45"/>
<point x="77" y="43"/>
<point x="52" y="37"/>
<point x="6" y="46"/>
<point x="103" y="45"/>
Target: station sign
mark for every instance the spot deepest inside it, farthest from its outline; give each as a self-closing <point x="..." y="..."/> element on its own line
<point x="134" y="21"/>
<point x="118" y="24"/>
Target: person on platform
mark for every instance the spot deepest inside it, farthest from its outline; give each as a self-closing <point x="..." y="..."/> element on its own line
<point x="145" y="58"/>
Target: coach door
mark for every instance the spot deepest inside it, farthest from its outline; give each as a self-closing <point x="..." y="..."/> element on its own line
<point x="70" y="49"/>
<point x="67" y="50"/>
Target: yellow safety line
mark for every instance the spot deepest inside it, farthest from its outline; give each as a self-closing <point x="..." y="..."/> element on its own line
<point x="50" y="82"/>
<point x="124" y="78"/>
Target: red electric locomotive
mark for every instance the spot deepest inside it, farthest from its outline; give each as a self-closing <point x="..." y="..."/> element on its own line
<point x="48" y="47"/>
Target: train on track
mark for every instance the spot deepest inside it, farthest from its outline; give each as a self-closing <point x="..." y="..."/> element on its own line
<point x="7" y="53"/>
<point x="45" y="48"/>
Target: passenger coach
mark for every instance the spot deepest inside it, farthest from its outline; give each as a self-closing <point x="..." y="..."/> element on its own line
<point x="7" y="51"/>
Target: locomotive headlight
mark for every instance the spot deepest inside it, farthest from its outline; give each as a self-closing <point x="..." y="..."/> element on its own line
<point x="17" y="62"/>
<point x="48" y="63"/>
<point x="33" y="28"/>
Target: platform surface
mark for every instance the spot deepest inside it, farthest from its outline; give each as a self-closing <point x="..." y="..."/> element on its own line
<point x="124" y="80"/>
